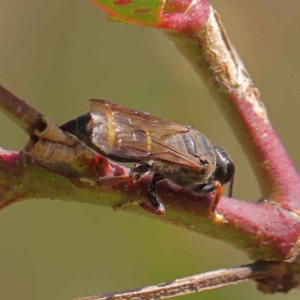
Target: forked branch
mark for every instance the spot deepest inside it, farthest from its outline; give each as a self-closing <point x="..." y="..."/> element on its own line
<point x="268" y="230"/>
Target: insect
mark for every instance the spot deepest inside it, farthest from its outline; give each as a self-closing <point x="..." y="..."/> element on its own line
<point x="169" y="150"/>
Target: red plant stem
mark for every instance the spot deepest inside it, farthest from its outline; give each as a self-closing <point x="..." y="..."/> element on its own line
<point x="275" y="172"/>
<point x="208" y="49"/>
<point x="262" y="230"/>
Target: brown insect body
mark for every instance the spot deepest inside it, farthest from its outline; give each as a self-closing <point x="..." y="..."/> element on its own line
<point x="172" y="151"/>
<point x="200" y="148"/>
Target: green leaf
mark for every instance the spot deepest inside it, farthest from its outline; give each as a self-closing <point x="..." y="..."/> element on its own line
<point x="143" y="12"/>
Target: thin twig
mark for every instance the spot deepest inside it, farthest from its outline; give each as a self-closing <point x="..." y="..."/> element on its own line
<point x="20" y="112"/>
<point x="188" y="285"/>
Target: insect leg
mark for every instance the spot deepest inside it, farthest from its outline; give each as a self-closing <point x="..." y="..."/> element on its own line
<point x="155" y="205"/>
<point x="139" y="170"/>
<point x="134" y="175"/>
<point x="217" y="195"/>
<point x="208" y="187"/>
<point x="204" y="188"/>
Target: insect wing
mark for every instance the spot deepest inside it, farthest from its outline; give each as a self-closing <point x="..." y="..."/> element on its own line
<point x="132" y="136"/>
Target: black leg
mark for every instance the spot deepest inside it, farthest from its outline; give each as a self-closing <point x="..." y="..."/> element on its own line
<point x="139" y="170"/>
<point x="155" y="205"/>
<point x="204" y="188"/>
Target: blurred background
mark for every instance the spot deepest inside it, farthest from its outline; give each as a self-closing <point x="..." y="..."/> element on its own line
<point x="58" y="54"/>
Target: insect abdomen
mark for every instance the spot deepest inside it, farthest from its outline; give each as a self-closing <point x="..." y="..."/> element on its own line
<point x="194" y="143"/>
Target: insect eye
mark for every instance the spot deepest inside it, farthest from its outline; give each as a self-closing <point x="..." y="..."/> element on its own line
<point x="224" y="167"/>
<point x="230" y="170"/>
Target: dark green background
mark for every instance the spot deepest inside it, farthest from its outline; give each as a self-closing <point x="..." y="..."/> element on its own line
<point x="56" y="55"/>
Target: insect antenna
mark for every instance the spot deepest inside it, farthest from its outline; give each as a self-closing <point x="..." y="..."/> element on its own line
<point x="230" y="190"/>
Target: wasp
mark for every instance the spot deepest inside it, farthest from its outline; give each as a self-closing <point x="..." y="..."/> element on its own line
<point x="169" y="150"/>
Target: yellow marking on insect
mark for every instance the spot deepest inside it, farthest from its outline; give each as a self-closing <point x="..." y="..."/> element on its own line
<point x="148" y="140"/>
<point x="111" y="129"/>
